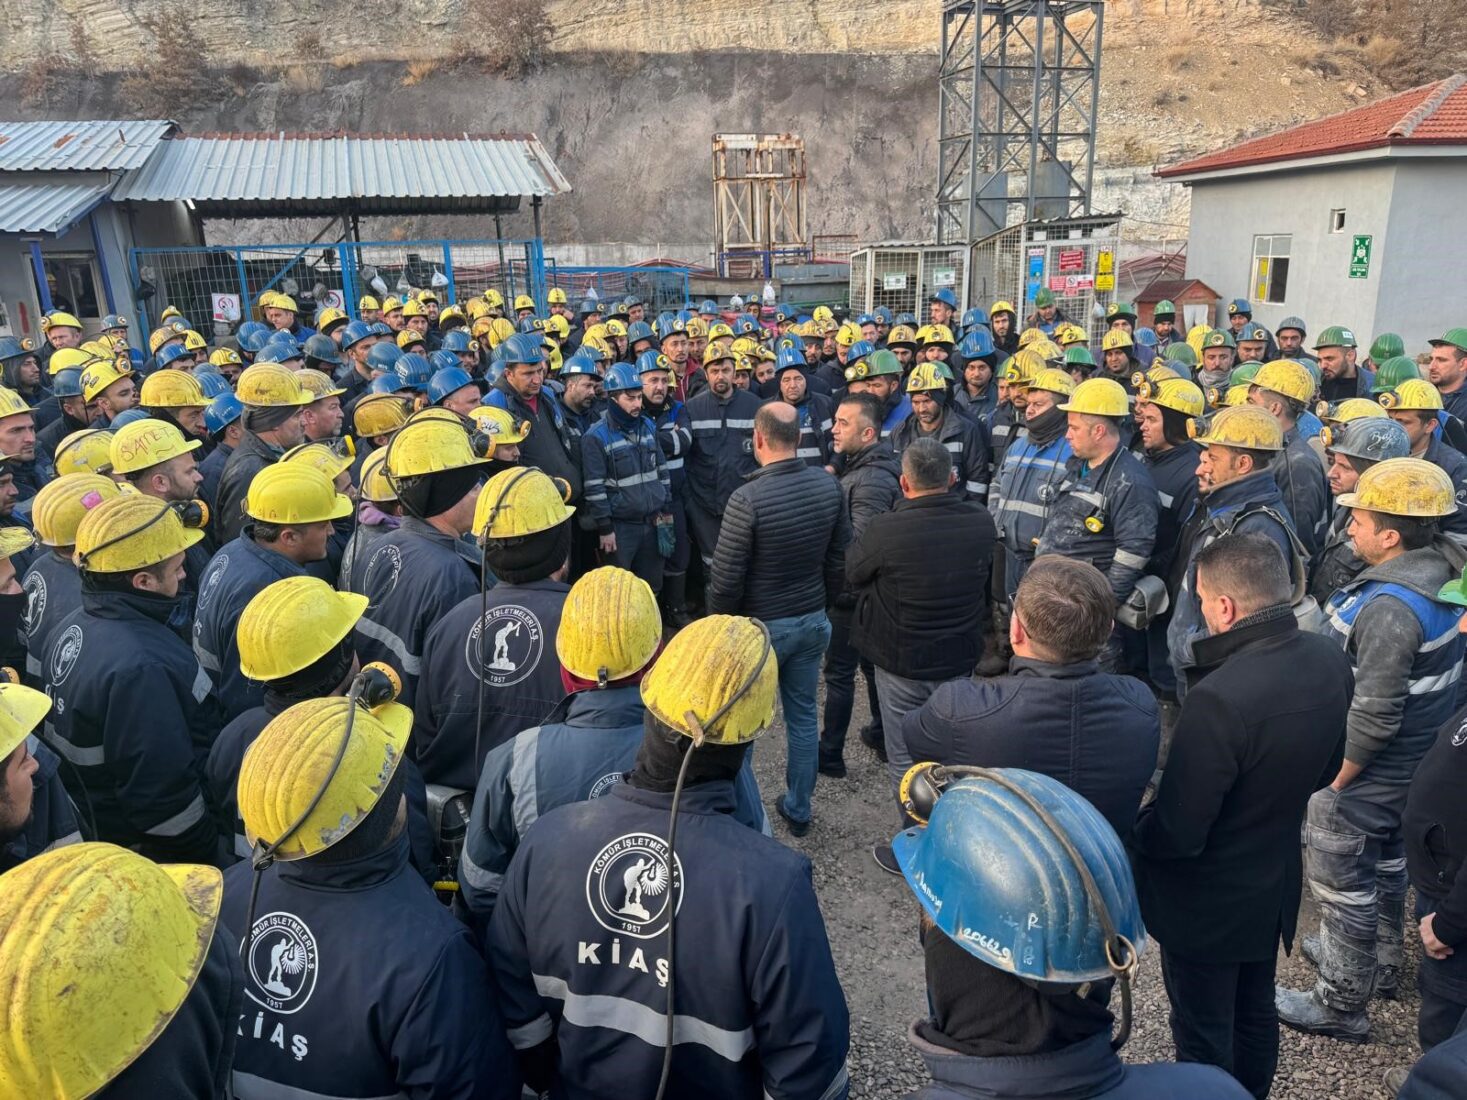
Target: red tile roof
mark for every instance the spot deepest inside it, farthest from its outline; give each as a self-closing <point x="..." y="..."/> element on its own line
<point x="1433" y="114"/>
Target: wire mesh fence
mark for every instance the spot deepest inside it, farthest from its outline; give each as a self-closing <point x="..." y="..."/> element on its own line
<point x="903" y="277"/>
<point x="660" y="288"/>
<point x="1073" y="258"/>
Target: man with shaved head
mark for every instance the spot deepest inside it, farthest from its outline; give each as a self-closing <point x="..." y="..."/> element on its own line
<point x="781" y="559"/>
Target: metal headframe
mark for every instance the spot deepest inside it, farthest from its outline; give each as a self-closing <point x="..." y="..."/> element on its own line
<point x="1018" y="90"/>
<point x="759" y="203"/>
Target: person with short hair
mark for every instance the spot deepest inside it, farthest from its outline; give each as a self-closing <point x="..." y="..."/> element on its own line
<point x="1054" y="712"/>
<point x="910" y="621"/>
<point x="1216" y="854"/>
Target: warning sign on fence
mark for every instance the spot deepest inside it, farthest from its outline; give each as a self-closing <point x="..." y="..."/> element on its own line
<point x="333" y="300"/>
<point x="226" y="307"/>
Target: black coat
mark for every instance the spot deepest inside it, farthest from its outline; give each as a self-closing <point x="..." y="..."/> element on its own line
<point x="1096" y="733"/>
<point x="920" y="575"/>
<point x="1217" y="855"/>
<point x="251" y="456"/>
<point x="1435" y="827"/>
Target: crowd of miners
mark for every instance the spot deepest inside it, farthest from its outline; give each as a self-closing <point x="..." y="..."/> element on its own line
<point x="382" y="689"/>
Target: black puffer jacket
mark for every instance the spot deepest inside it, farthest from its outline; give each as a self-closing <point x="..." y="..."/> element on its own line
<point x="919" y="613"/>
<point x="251" y="456"/>
<point x="781" y="551"/>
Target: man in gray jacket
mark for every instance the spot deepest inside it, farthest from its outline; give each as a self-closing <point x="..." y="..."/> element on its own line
<point x="781" y="558"/>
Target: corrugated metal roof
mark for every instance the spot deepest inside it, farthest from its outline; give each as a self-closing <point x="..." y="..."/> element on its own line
<point x="79" y="146"/>
<point x="47" y="207"/>
<point x="368" y="171"/>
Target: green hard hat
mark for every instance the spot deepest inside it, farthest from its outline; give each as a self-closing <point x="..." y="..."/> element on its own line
<point x="1219" y="338"/>
<point x="1454" y="591"/>
<point x="1387" y="346"/>
<point x="1079" y="355"/>
<point x="1164" y="308"/>
<point x="1336" y="336"/>
<point x="1043" y="298"/>
<point x="1243" y="374"/>
<point x="1454" y="337"/>
<point x="1392" y="372"/>
<point x="1120" y="309"/>
<point x="1181" y="352"/>
<point x="881" y="361"/>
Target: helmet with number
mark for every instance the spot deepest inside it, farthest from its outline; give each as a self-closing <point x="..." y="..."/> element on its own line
<point x="1373" y="439"/>
<point x="1004" y="846"/>
<point x="639" y="330"/>
<point x="1164" y="310"/>
<point x="789" y="358"/>
<point x="1098" y="397"/>
<point x="1403" y="487"/>
<point x="58" y="511"/>
<point x="1244" y="427"/>
<point x="716" y="678"/>
<point x="977" y="344"/>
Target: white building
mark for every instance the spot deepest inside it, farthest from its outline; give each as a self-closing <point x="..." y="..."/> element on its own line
<point x="1358" y="219"/>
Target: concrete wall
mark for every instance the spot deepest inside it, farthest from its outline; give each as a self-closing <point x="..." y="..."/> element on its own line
<point x="1227" y="214"/>
<point x="1422" y="295"/>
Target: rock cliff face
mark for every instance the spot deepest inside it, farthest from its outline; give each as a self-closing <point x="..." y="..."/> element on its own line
<point x="631" y="91"/>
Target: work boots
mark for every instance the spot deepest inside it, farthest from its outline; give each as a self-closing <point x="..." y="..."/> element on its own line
<point x="1387" y="978"/>
<point x="1302" y="1010"/>
<point x="675" y="599"/>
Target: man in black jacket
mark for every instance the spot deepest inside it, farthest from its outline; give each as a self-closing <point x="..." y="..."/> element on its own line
<point x="871" y="484"/>
<point x="1055" y="712"/>
<point x="780" y="556"/>
<point x="921" y="601"/>
<point x="721" y="420"/>
<point x="1217" y="855"/>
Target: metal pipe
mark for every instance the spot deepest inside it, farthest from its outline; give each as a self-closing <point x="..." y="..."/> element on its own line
<point x="38" y="268"/>
<point x="101" y="262"/>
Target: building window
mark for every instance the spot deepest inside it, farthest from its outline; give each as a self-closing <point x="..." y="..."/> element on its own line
<point x="1271" y="267"/>
<point x="1337" y="221"/>
<point x="72" y="282"/>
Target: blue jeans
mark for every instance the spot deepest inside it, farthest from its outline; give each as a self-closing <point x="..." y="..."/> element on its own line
<point x="799" y="646"/>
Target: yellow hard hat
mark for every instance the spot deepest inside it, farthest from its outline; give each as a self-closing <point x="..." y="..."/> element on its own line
<point x="21" y="711"/>
<point x="425" y="296"/>
<point x="1286" y="377"/>
<point x="521" y="501"/>
<point x="1246" y="427"/>
<point x="163" y="333"/>
<point x="615" y="327"/>
<point x="1029" y="336"/>
<point x="13" y="404"/>
<point x="145" y="443"/>
<point x="368" y="302"/>
<point x="410" y="336"/>
<point x="98" y="374"/>
<point x="328" y="459"/>
<point x="716" y="350"/>
<point x="1098" y="397"/>
<point x="718" y="677"/>
<point x="557" y="296"/>
<point x="1021" y="367"/>
<point x="98" y="925"/>
<point x="847" y="335"/>
<point x="392" y="305"/>
<point x="285" y="301"/>
<point x="557" y="325"/>
<point x="172" y="389"/>
<point x="1233" y="395"/>
<point x="523" y="301"/>
<point x="1117" y="339"/>
<point x="59" y="319"/>
<point x="493" y="299"/>
<point x="225" y="357"/>
<point x="291" y="624"/>
<point x="295" y="757"/>
<point x="170" y="312"/>
<point x="131" y="531"/>
<point x="501" y="329"/>
<point x="743" y="346"/>
<point x="88" y="451"/>
<point x="194" y="341"/>
<point x="1048" y="350"/>
<point x="271" y="386"/>
<point x="1053" y="380"/>
<point x="317" y="383"/>
<point x="65" y="358"/>
<point x="294" y="492"/>
<point x="379" y="414"/>
<point x="375" y="486"/>
<point x="15" y="540"/>
<point x="937" y="334"/>
<point x="1351" y="408"/>
<point x="610" y="626"/>
<point x="1002" y="306"/>
<point x="429" y="446"/>
<point x="1153" y="374"/>
<point x="413" y="308"/>
<point x="450" y="313"/>
<point x="925" y="377"/>
<point x="61" y="504"/>
<point x="476" y="308"/>
<point x="330" y="317"/>
<point x="1403" y="487"/>
<point x="1176" y="394"/>
<point x="822" y="313"/>
<point x="743" y="364"/>
<point x="696" y="328"/>
<point x="104" y="347"/>
<point x="1068" y="333"/>
<point x="499" y="425"/>
<point x="1412" y="394"/>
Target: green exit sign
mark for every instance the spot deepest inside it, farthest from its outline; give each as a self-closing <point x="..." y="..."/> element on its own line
<point x="1360" y="257"/>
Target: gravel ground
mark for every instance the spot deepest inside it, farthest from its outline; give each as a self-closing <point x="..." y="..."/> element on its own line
<point x="872" y="922"/>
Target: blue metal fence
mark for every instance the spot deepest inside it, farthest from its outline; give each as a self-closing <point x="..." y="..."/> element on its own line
<point x="320" y="274"/>
<point x="661" y="288"/>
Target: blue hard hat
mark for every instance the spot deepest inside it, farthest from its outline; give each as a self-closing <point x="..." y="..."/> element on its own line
<point x="523" y="347"/>
<point x="994" y="875"/>
<point x="166" y="357"/>
<point x="448" y="381"/>
<point x="784" y="312"/>
<point x="974" y="316"/>
<point x="663" y="322"/>
<point x="212" y="383"/>
<point x="249" y="327"/>
<point x="456" y="340"/>
<point x="13" y="348"/>
<point x="114" y="320"/>
<point x="675" y="326"/>
<point x="946" y="297"/>
<point x="650" y="361"/>
<point x="1240" y="306"/>
<point x="323" y="349"/>
<point x="413" y="371"/>
<point x="744" y="326"/>
<point x="531" y="324"/>
<point x="493" y="371"/>
<point x="859" y="350"/>
<point x="787" y="357"/>
<point x="1146" y="337"/>
<point x="580" y="363"/>
<point x="254" y="340"/>
<point x="354" y="333"/>
<point x="882" y="315"/>
<point x="384" y="383"/>
<point x="382" y="328"/>
<point x="865" y="319"/>
<point x="442" y="359"/>
<point x="223" y="411"/>
<point x="708" y="306"/>
<point x="638" y="330"/>
<point x="908" y="319"/>
<point x="383" y="356"/>
<point x="280" y="347"/>
<point x="685" y="315"/>
<point x="977" y="344"/>
<point x="623" y="377"/>
<point x="589" y="306"/>
<point x="126" y="417"/>
<point x="592" y="352"/>
<point x="67" y="382"/>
